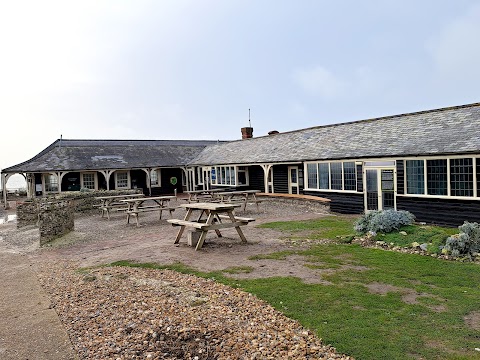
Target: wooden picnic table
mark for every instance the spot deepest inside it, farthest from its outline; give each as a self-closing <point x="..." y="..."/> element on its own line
<point x="241" y="196"/>
<point x="136" y="206"/>
<point x="113" y="201"/>
<point x="214" y="213"/>
<point x="201" y="195"/>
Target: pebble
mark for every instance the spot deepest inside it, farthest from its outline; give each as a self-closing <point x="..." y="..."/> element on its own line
<point x="132" y="313"/>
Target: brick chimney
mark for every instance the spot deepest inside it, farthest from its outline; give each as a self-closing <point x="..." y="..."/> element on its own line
<point x="247" y="132"/>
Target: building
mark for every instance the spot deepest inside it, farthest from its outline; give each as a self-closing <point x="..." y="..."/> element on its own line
<point x="427" y="162"/>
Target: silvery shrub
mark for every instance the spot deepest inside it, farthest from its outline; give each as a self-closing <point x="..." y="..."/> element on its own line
<point x="466" y="243"/>
<point x="383" y="221"/>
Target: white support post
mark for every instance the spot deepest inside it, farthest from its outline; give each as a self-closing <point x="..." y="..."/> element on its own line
<point x="266" y="170"/>
<point x="4" y="190"/>
<point x="107" y="174"/>
<point x="148" y="180"/>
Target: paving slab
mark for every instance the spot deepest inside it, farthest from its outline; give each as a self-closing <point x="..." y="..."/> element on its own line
<point x="30" y="328"/>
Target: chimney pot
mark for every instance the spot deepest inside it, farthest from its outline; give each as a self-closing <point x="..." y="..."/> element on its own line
<point x="273" y="132"/>
<point x="247" y="132"/>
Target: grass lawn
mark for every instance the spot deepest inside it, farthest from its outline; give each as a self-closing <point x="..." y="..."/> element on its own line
<point x="378" y="304"/>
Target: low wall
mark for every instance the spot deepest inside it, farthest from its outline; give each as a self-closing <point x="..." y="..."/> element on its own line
<point x="55" y="219"/>
<point x="321" y="205"/>
<point x="27" y="213"/>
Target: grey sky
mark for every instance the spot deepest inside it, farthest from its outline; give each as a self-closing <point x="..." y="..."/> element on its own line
<point x="191" y="69"/>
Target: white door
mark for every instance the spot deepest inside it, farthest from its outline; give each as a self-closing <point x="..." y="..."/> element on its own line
<point x="380" y="189"/>
<point x="293" y="186"/>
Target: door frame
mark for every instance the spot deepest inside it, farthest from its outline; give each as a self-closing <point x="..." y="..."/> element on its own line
<point x="291" y="184"/>
<point x="379" y="169"/>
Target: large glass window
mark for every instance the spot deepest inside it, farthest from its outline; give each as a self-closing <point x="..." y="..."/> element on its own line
<point x="88" y="181"/>
<point x="336" y="175"/>
<point x="155" y="177"/>
<point x="437" y="177"/>
<point x="51" y="183"/>
<point x="324" y="176"/>
<point x="415" y="176"/>
<point x="312" y="176"/>
<point x="461" y="177"/>
<point x="121" y="180"/>
<point x="227" y="175"/>
<point x="349" y="176"/>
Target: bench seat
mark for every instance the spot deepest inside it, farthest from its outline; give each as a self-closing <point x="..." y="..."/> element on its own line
<point x="196" y="225"/>
<point x="237" y="218"/>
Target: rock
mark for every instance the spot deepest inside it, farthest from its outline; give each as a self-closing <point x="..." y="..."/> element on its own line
<point x="414" y="244"/>
<point x="424" y="247"/>
<point x="403" y="233"/>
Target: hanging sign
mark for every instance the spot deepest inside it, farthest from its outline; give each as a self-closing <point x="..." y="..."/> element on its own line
<point x="173" y="180"/>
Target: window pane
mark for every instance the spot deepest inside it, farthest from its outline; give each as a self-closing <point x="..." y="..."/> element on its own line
<point x="437" y="177"/>
<point x="89" y="181"/>
<point x="336" y="173"/>
<point x="478" y="177"/>
<point x="349" y="176"/>
<point x="226" y="175"/>
<point x="51" y="183"/>
<point x="324" y="176"/>
<point x="122" y="180"/>
<point x="312" y="176"/>
<point x="154" y="177"/>
<point x="415" y="177"/>
<point x="461" y="177"/>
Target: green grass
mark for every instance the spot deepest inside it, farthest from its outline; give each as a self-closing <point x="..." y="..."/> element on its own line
<point x="364" y="324"/>
<point x="328" y="227"/>
<point x="421" y="234"/>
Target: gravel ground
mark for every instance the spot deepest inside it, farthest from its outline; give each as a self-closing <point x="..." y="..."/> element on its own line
<point x="127" y="313"/>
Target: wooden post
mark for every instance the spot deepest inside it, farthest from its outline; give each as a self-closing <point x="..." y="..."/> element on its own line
<point x="4" y="190"/>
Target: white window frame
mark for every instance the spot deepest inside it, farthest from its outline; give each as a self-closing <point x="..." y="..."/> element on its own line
<point x="448" y="158"/>
<point x="45" y="181"/>
<point x="129" y="185"/>
<point x="158" y="172"/>
<point x="221" y="178"/>
<point x="305" y="178"/>
<point x="95" y="179"/>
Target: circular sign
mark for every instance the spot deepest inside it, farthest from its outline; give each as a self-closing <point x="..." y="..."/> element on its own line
<point x="173" y="180"/>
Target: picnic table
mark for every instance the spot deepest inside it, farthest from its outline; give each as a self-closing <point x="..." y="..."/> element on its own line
<point x="241" y="196"/>
<point x="215" y="214"/>
<point x="201" y="195"/>
<point x="113" y="202"/>
<point x="137" y="205"/>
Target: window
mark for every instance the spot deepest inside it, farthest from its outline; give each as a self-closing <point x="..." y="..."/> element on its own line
<point x="121" y="180"/>
<point x="227" y="175"/>
<point x="51" y="183"/>
<point x="349" y="176"/>
<point x="437" y="177"/>
<point x="324" y="176"/>
<point x="88" y="181"/>
<point x="415" y="176"/>
<point x="461" y="177"/>
<point x="155" y="177"/>
<point x="312" y="176"/>
<point x="332" y="176"/>
<point x="242" y="173"/>
<point x="336" y="175"/>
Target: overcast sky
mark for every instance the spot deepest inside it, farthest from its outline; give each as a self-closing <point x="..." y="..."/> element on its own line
<point x="185" y="69"/>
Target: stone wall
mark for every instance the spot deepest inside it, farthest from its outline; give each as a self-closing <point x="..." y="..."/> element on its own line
<point x="27" y="213"/>
<point x="318" y="206"/>
<point x="55" y="219"/>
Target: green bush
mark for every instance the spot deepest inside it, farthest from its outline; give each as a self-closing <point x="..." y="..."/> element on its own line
<point x="383" y="221"/>
<point x="466" y="243"/>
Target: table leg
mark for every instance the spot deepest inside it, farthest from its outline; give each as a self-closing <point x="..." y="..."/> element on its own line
<point x="182" y="228"/>
<point x="210" y="218"/>
<point x="239" y="231"/>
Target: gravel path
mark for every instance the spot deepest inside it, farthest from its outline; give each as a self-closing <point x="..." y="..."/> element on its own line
<point x="127" y="313"/>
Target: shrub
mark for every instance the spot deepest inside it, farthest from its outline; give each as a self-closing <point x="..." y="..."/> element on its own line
<point x="466" y="243"/>
<point x="383" y="221"/>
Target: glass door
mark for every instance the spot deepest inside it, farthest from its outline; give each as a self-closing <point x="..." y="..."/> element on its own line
<point x="293" y="187"/>
<point x="380" y="189"/>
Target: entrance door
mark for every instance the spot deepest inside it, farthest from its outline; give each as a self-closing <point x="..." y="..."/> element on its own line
<point x="293" y="186"/>
<point x="380" y="189"/>
<point x="206" y="178"/>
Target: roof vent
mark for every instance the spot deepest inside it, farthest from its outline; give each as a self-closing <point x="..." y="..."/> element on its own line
<point x="273" y="132"/>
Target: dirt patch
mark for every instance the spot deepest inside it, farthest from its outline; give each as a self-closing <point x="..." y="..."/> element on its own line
<point x="409" y="296"/>
<point x="472" y="320"/>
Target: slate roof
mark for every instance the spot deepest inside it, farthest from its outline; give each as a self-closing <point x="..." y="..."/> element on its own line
<point x="450" y="130"/>
<point x="111" y="154"/>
